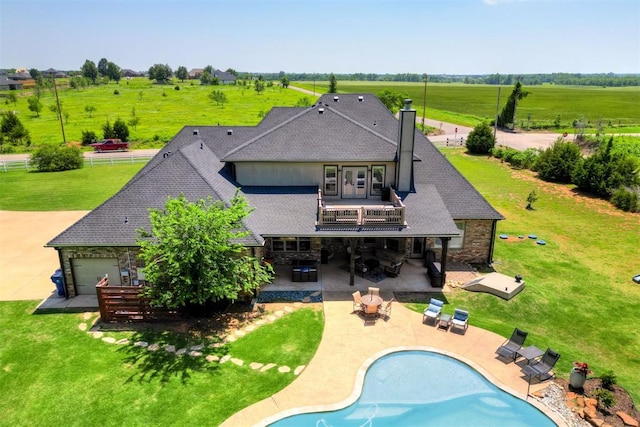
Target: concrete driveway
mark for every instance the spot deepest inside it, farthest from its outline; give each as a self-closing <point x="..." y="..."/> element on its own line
<point x="25" y="263"/>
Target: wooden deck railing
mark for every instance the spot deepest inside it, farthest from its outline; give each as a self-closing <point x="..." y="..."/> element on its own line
<point x="125" y="303"/>
<point x="392" y="213"/>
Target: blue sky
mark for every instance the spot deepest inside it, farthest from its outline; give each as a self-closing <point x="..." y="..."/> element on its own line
<point x="348" y="36"/>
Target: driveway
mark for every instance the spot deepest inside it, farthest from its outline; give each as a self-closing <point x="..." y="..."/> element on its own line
<point x="25" y="263"/>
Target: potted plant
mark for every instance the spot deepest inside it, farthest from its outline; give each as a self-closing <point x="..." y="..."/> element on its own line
<point x="579" y="374"/>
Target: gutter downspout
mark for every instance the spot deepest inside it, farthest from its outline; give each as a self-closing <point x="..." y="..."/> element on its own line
<point x="492" y="243"/>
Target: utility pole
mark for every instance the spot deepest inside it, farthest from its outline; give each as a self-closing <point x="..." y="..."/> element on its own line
<point x="424" y="99"/>
<point x="495" y="122"/>
<point x="55" y="89"/>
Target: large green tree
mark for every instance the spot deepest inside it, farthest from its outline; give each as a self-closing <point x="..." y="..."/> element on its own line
<point x="113" y="72"/>
<point x="12" y="129"/>
<point x="508" y="113"/>
<point x="182" y="73"/>
<point x="333" y="84"/>
<point x="102" y="67"/>
<point x="392" y="100"/>
<point x="219" y="97"/>
<point x="481" y="139"/>
<point x="160" y="73"/>
<point x="34" y="105"/>
<point x="90" y="71"/>
<point x="192" y="255"/>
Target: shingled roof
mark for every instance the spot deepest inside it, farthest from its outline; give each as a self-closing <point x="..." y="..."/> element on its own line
<point x="351" y="128"/>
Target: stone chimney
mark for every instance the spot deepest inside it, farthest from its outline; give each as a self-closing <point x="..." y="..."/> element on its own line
<point x="406" y="140"/>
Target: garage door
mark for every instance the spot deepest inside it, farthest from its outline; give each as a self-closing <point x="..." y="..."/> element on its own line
<point x="88" y="271"/>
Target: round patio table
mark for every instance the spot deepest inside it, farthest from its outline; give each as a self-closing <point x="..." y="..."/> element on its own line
<point x="371" y="300"/>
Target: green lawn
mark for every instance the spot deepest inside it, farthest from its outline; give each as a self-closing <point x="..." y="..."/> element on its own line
<point x="52" y="373"/>
<point x="579" y="298"/>
<point x="161" y="109"/>
<point x="80" y="189"/>
<point x="471" y="104"/>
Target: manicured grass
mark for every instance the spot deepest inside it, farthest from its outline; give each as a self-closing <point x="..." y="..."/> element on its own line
<point x="579" y="298"/>
<point x="471" y="104"/>
<point x="162" y="110"/>
<point x="52" y="373"/>
<point x="80" y="189"/>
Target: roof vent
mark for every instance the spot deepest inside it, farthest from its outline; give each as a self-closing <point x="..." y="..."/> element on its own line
<point x="166" y="154"/>
<point x="229" y="131"/>
<point x="321" y="110"/>
<point x="196" y="132"/>
<point x="336" y="98"/>
<point x="360" y="98"/>
<point x="374" y="123"/>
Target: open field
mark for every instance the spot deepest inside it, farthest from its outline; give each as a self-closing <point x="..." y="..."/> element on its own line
<point x="162" y="110"/>
<point x="470" y="104"/>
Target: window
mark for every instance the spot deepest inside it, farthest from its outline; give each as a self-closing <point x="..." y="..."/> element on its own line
<point x="331" y="180"/>
<point x="455" y="242"/>
<point x="377" y="179"/>
<point x="290" y="244"/>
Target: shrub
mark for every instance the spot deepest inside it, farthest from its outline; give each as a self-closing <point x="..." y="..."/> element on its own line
<point x="481" y="139"/>
<point x="509" y="153"/>
<point x="606" y="399"/>
<point x="608" y="380"/>
<point x="626" y="199"/>
<point x="498" y="153"/>
<point x="556" y="163"/>
<point x="52" y="158"/>
<point x="89" y="137"/>
<point x="177" y="87"/>
<point x="121" y="130"/>
<point x="524" y="159"/>
<point x="116" y="92"/>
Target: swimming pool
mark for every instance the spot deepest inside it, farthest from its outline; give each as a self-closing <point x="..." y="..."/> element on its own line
<point x="421" y="388"/>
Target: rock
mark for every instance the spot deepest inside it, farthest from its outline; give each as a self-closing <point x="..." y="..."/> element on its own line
<point x="299" y="369"/>
<point x="627" y="419"/>
<point x="267" y="367"/>
<point x="580" y="402"/>
<point x="109" y="340"/>
<point x="216" y="345"/>
<point x="82" y="326"/>
<point x="271" y="318"/>
<point x="590" y="402"/>
<point x="256" y="365"/>
<point x="154" y="347"/>
<point x="284" y="369"/>
<point x="597" y="422"/>
<point x="225" y="358"/>
<point x="279" y="313"/>
<point x="194" y="353"/>
<point x="539" y="394"/>
<point x="86" y="315"/>
<point x="288" y="309"/>
<point x="98" y="334"/>
<point x="250" y="328"/>
<point x="212" y="358"/>
<point x="316" y="293"/>
<point x="260" y="322"/>
<point x="297" y="304"/>
<point x="571" y="395"/>
<point x="230" y="338"/>
<point x="196" y="347"/>
<point x="122" y="341"/>
<point x="240" y="333"/>
<point x="181" y="351"/>
<point x="590" y="413"/>
<point x="306" y="300"/>
<point x="237" y="362"/>
<point x="170" y="348"/>
<point x="142" y="344"/>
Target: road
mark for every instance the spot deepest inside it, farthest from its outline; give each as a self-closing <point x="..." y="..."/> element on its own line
<point x="89" y="154"/>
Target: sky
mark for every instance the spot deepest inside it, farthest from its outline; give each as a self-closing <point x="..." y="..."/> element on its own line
<point x="322" y="36"/>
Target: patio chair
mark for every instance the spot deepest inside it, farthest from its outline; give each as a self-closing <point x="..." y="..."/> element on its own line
<point x="357" y="306"/>
<point x="510" y="347"/>
<point x="393" y="270"/>
<point x="432" y="311"/>
<point x="542" y="367"/>
<point x="385" y="309"/>
<point x="374" y="291"/>
<point x="460" y="319"/>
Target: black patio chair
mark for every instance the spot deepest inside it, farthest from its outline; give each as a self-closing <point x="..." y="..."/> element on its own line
<point x="542" y="367"/>
<point x="393" y="270"/>
<point x="510" y="347"/>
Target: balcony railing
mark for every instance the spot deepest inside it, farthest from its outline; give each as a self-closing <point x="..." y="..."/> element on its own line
<point x="384" y="214"/>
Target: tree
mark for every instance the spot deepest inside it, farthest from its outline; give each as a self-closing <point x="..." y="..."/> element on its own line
<point x="481" y="139"/>
<point x="556" y="163"/>
<point x="90" y="71"/>
<point x="531" y="199"/>
<point x="120" y="130"/>
<point x="35" y="73"/>
<point x="34" y="105"/>
<point x="392" y="100"/>
<point x="52" y="158"/>
<point x="508" y="114"/>
<point x="259" y="86"/>
<point x="134" y="121"/>
<point x="54" y="109"/>
<point x="219" y="97"/>
<point x="107" y="131"/>
<point x="160" y="73"/>
<point x="89" y="109"/>
<point x="333" y="84"/>
<point x="12" y="97"/>
<point x="191" y="254"/>
<point x="284" y="81"/>
<point x="12" y="129"/>
<point x="182" y="73"/>
<point x="113" y="72"/>
<point x="89" y="137"/>
<point x="102" y="66"/>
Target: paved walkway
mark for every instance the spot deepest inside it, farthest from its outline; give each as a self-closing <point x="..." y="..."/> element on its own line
<point x="334" y="374"/>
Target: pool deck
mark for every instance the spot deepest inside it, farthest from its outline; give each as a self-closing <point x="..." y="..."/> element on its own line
<point x="334" y="375"/>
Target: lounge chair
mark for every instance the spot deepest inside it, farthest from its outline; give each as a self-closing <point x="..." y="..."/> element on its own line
<point x="510" y="347"/>
<point x="374" y="291"/>
<point x="393" y="270"/>
<point x="357" y="306"/>
<point x="432" y="311"/>
<point x="385" y="309"/>
<point x="542" y="367"/>
<point x="460" y="319"/>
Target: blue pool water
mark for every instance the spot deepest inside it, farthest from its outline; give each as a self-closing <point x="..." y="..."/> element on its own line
<point x="420" y="388"/>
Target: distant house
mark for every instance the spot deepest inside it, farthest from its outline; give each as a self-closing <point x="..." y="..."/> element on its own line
<point x="9" y="84"/>
<point x="196" y="73"/>
<point x="130" y="73"/>
<point x="22" y="75"/>
<point x="224" y="77"/>
<point x="51" y="72"/>
<point x="319" y="178"/>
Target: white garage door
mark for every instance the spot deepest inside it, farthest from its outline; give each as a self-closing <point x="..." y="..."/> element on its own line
<point x="87" y="272"/>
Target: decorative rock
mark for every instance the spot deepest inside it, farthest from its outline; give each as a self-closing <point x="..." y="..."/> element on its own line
<point x="316" y="293"/>
<point x="297" y="304"/>
<point x="82" y="326"/>
<point x="212" y="358"/>
<point x="597" y="422"/>
<point x="240" y="333"/>
<point x="271" y="318"/>
<point x="225" y="358"/>
<point x="284" y="369"/>
<point x="98" y="334"/>
<point x="306" y="299"/>
<point x="237" y="362"/>
<point x="216" y="345"/>
<point x="256" y="365"/>
<point x="154" y="347"/>
<point x="196" y="347"/>
<point x="87" y="315"/>
<point x="250" y="328"/>
<point x="627" y="419"/>
<point x="142" y="344"/>
<point x="539" y="394"/>
<point x="279" y="313"/>
<point x="181" y="351"/>
<point x="267" y="367"/>
<point x="590" y="413"/>
<point x="504" y="236"/>
<point x="109" y="340"/>
<point x="230" y="338"/>
<point x="260" y="322"/>
<point x="170" y="348"/>
<point x="288" y="309"/>
<point x="299" y="369"/>
<point x="589" y="401"/>
<point x="122" y="341"/>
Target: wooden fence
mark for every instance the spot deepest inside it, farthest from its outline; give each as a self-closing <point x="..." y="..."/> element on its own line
<point x="126" y="304"/>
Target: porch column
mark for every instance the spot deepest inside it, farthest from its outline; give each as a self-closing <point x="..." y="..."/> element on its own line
<point x="443" y="261"/>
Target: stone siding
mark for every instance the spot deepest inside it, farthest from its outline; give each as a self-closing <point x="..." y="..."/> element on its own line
<point x="476" y="245"/>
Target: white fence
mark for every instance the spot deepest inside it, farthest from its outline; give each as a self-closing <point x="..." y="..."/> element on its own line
<point x="91" y="161"/>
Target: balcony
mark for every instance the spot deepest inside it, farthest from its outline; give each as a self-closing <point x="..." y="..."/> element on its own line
<point x="367" y="214"/>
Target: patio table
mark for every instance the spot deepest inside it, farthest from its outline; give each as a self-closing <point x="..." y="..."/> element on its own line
<point x="371" y="300"/>
<point x="529" y="353"/>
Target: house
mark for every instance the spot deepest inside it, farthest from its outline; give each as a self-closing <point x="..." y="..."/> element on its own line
<point x="9" y="84"/>
<point x="195" y="73"/>
<point x="343" y="170"/>
<point x="128" y="73"/>
<point x="52" y="72"/>
<point x="224" y="77"/>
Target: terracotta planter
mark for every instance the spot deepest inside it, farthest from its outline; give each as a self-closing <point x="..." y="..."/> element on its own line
<point x="577" y="378"/>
